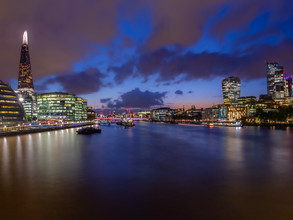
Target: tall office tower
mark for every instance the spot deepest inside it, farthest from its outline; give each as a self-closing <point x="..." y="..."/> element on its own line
<point x="288" y="86"/>
<point x="25" y="91"/>
<point x="275" y="80"/>
<point x="231" y="89"/>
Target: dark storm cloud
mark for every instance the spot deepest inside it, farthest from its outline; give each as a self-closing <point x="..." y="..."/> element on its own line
<point x="64" y="31"/>
<point x="85" y="82"/>
<point x="138" y="99"/>
<point x="178" y="92"/>
<point x="271" y="15"/>
<point x="180" y="23"/>
<point x="105" y="100"/>
<point x="248" y="64"/>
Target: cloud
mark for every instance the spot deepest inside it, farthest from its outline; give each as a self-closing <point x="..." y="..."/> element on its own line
<point x="248" y="64"/>
<point x="85" y="82"/>
<point x="60" y="33"/>
<point x="190" y="92"/>
<point x="138" y="99"/>
<point x="158" y="38"/>
<point x="105" y="100"/>
<point x="178" y="92"/>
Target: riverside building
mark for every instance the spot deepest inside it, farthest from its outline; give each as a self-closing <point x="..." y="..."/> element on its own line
<point x="288" y="86"/>
<point x="25" y="91"/>
<point x="11" y="110"/>
<point x="275" y="80"/>
<point x="231" y="89"/>
<point x="59" y="106"/>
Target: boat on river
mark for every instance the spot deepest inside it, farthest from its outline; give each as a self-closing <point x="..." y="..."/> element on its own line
<point x="89" y="130"/>
<point x="126" y="122"/>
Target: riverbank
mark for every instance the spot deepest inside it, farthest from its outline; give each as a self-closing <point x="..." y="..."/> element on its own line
<point x="43" y="129"/>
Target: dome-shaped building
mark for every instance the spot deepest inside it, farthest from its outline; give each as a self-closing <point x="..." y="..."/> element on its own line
<point x="11" y="110"/>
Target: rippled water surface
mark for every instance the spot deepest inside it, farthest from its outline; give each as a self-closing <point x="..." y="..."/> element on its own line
<point x="151" y="171"/>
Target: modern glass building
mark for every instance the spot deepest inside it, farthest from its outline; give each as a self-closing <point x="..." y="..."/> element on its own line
<point x="275" y="80"/>
<point x="58" y="106"/>
<point x="25" y="91"/>
<point x="80" y="109"/>
<point x="11" y="110"/>
<point x="288" y="86"/>
<point x="231" y="89"/>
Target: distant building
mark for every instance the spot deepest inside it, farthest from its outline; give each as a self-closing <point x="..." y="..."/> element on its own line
<point x="11" y="110"/>
<point x="194" y="113"/>
<point x="265" y="98"/>
<point x="80" y="109"/>
<point x="275" y="80"/>
<point x="59" y="106"/>
<point x="226" y="112"/>
<point x="231" y="89"/>
<point x="246" y="100"/>
<point x="144" y="114"/>
<point x="162" y="114"/>
<point x="210" y="114"/>
<point x="288" y="86"/>
<point x="236" y="112"/>
<point x="91" y="114"/>
<point x="25" y="91"/>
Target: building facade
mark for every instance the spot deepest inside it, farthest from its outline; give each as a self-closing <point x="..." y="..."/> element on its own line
<point x="231" y="89"/>
<point x="288" y="86"/>
<point x="275" y="80"/>
<point x="91" y="114"/>
<point x="162" y="114"/>
<point x="25" y="91"/>
<point x="11" y="110"/>
<point x="58" y="106"/>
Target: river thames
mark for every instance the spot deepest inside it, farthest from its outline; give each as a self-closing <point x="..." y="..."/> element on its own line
<point x="151" y="171"/>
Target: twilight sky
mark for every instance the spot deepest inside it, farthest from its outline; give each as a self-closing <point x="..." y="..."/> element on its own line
<point x="144" y="53"/>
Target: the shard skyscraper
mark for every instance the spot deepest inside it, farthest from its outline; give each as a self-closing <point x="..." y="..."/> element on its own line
<point x="25" y="91"/>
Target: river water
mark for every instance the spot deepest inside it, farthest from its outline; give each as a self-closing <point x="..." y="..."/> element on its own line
<point x="151" y="171"/>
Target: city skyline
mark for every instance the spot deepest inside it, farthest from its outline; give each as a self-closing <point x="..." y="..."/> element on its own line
<point x="25" y="59"/>
<point x="131" y="57"/>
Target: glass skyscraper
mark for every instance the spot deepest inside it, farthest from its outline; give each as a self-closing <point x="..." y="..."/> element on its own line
<point x="231" y="89"/>
<point x="25" y="91"/>
<point x="275" y="80"/>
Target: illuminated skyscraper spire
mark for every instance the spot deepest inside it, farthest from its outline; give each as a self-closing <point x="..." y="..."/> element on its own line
<point x="25" y="38"/>
<point x="25" y="77"/>
<point x="25" y="92"/>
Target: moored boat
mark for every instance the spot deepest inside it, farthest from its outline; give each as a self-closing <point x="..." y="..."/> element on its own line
<point x="89" y="130"/>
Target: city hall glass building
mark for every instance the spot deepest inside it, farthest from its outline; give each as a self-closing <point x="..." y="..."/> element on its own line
<point x="231" y="89"/>
<point x="60" y="106"/>
<point x="11" y="110"/>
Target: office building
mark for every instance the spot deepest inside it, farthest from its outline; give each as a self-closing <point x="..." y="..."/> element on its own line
<point x="91" y="114"/>
<point x="288" y="86"/>
<point x="11" y="110"/>
<point x="275" y="80"/>
<point x="231" y="89"/>
<point x="58" y="106"/>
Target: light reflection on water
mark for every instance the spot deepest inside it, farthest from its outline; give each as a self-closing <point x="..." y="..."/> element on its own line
<point x="137" y="170"/>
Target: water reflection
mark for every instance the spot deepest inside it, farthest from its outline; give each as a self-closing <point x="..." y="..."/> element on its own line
<point x="180" y="165"/>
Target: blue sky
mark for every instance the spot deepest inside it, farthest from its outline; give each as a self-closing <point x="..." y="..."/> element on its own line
<point x="126" y="51"/>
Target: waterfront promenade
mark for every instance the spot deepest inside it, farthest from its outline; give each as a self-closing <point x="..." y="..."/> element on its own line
<point x="39" y="127"/>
